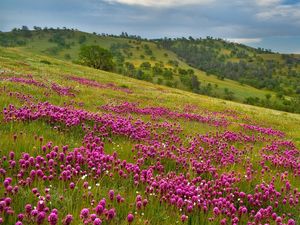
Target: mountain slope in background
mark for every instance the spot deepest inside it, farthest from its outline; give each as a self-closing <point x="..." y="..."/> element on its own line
<point x="224" y="70"/>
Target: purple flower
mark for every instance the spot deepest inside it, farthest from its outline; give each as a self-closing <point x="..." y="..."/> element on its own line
<point x="52" y="218"/>
<point x="84" y="214"/>
<point x="97" y="221"/>
<point x="183" y="218"/>
<point x="68" y="219"/>
<point x="111" y="214"/>
<point x="111" y="194"/>
<point x="130" y="218"/>
<point x="40" y="217"/>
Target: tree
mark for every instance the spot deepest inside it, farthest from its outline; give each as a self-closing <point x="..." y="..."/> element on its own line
<point x="145" y="66"/>
<point x="228" y="95"/>
<point x="24" y="28"/>
<point x="26" y="32"/>
<point x="37" y="28"/>
<point x="268" y="96"/>
<point x="82" y="39"/>
<point x="195" y="84"/>
<point x="96" y="57"/>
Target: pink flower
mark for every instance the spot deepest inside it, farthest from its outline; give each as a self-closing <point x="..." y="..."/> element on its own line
<point x="130" y="218"/>
<point x="84" y="214"/>
<point x="68" y="219"/>
<point x="183" y="218"/>
<point x="97" y="221"/>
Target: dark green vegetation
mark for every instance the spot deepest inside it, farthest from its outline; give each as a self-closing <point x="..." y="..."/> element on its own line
<point x="96" y="57"/>
<point x="259" y="68"/>
<point x="208" y="66"/>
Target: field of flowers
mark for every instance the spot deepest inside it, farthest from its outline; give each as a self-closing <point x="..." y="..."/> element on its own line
<point x="80" y="146"/>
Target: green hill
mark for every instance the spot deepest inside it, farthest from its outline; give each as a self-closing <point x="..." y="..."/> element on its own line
<point x="168" y="66"/>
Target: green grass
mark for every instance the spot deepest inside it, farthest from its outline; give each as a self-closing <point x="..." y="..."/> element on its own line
<point x="39" y="44"/>
<point x="21" y="61"/>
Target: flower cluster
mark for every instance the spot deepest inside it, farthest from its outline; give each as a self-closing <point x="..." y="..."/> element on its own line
<point x="211" y="175"/>
<point x="93" y="83"/>
<point x="159" y="112"/>
<point x="67" y="91"/>
<point x="26" y="80"/>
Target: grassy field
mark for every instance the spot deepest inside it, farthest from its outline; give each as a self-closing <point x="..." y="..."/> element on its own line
<point x="141" y="124"/>
<point x="40" y="44"/>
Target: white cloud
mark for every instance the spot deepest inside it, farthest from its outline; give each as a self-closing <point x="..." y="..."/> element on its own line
<point x="161" y="3"/>
<point x="280" y="12"/>
<point x="268" y="2"/>
<point x="245" y="40"/>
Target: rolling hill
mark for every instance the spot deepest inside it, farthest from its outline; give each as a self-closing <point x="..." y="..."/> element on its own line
<point x="159" y="61"/>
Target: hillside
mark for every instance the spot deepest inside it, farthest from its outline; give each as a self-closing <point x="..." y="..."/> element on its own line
<point x="91" y="147"/>
<point x="258" y="68"/>
<point x="154" y="62"/>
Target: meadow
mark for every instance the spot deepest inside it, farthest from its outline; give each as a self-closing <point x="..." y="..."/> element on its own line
<point x="134" y="52"/>
<point x="84" y="146"/>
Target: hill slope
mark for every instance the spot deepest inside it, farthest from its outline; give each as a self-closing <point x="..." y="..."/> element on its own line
<point x="165" y="66"/>
<point x="257" y="67"/>
<point x="89" y="145"/>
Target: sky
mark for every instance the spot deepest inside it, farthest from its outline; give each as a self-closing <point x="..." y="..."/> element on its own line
<point x="271" y="24"/>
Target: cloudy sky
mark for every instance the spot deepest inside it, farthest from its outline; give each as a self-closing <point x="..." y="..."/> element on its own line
<point x="271" y="24"/>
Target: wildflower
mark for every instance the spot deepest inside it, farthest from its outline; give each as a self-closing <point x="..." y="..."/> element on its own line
<point x="40" y="217"/>
<point x="84" y="214"/>
<point x="130" y="218"/>
<point x="68" y="219"/>
<point x="97" y="221"/>
<point x="111" y="194"/>
<point x="111" y="214"/>
<point x="183" y="218"/>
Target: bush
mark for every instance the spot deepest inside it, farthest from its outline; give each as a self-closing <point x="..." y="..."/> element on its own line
<point x="82" y="39"/>
<point x="96" y="57"/>
<point x="45" y="62"/>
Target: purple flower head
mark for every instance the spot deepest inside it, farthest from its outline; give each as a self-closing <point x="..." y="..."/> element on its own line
<point x="111" y="214"/>
<point x="183" y="218"/>
<point x="97" y="221"/>
<point x="52" y="218"/>
<point x="84" y="214"/>
<point x="111" y="194"/>
<point x="130" y="218"/>
<point x="68" y="220"/>
<point x="40" y="217"/>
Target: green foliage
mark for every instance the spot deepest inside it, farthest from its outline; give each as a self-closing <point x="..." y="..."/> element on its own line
<point x="256" y="67"/>
<point x="229" y="95"/>
<point x="82" y="39"/>
<point x="67" y="56"/>
<point x="145" y="66"/>
<point x="96" y="57"/>
<point x="45" y="62"/>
